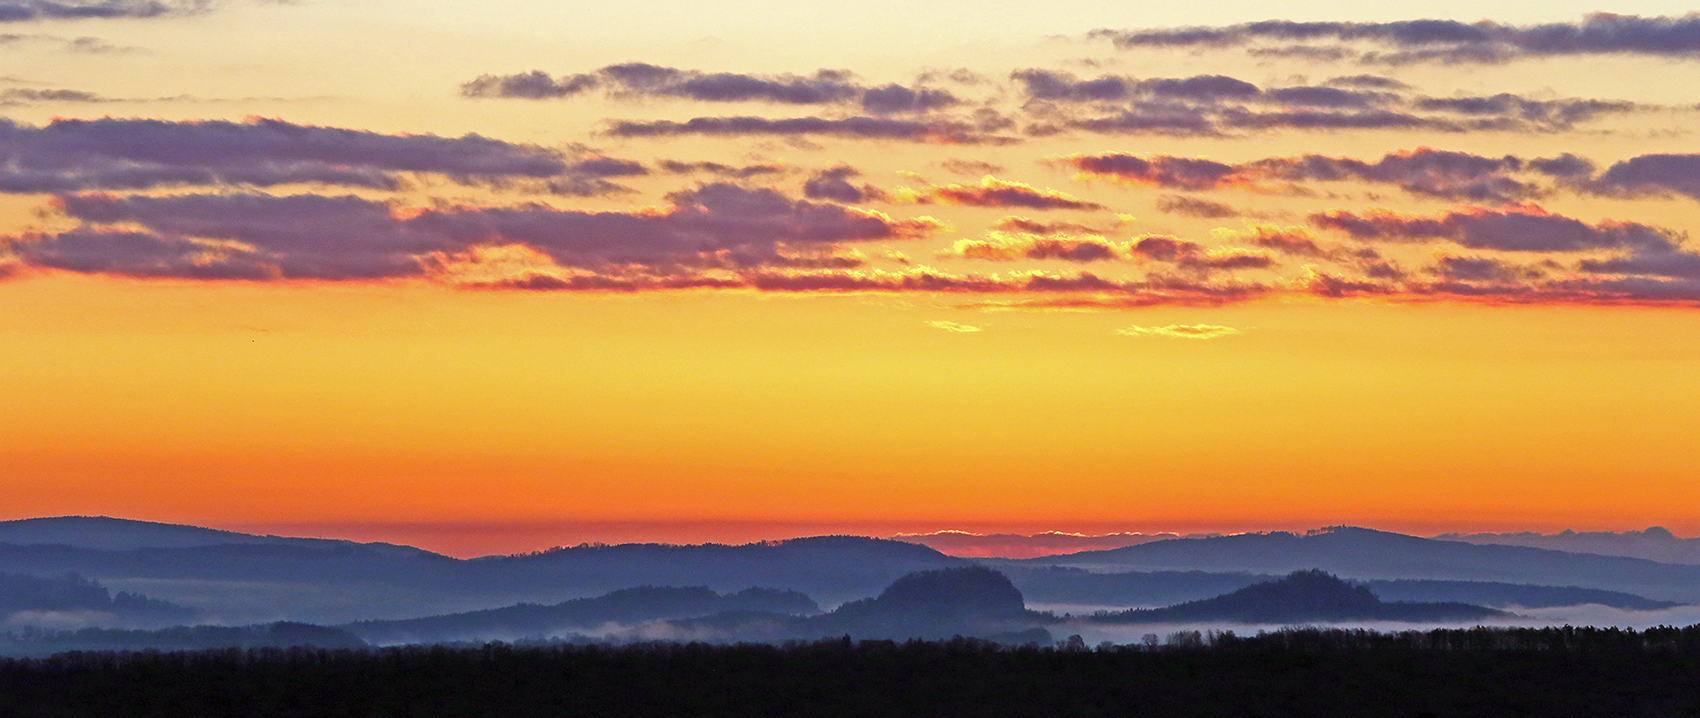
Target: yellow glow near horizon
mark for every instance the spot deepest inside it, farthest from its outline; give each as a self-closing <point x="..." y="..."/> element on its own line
<point x="419" y="404"/>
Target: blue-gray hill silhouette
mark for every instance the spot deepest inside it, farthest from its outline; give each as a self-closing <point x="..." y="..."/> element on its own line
<point x="967" y="601"/>
<point x="625" y="606"/>
<point x="324" y="581"/>
<point x="1366" y="554"/>
<point x="1301" y="597"/>
<point x="248" y="579"/>
<point x="1656" y="543"/>
<point x="1059" y="584"/>
<point x="114" y="534"/>
<point x="942" y="596"/>
<point x="22" y="594"/>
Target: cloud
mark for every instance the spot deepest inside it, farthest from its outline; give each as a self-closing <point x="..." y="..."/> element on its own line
<point x="1165" y="249"/>
<point x="1286" y="240"/>
<point x="97" y="46"/>
<point x="1180" y="331"/>
<point x="28" y="10"/>
<point x="1323" y="284"/>
<point x="825" y="86"/>
<point x="1049" y="85"/>
<point x="1001" y="246"/>
<point x="1450" y="41"/>
<point x="993" y="192"/>
<point x="1545" y="114"/>
<point x="639" y="79"/>
<point x="1226" y="259"/>
<point x="1200" y="87"/>
<point x="891" y="99"/>
<point x="722" y="236"/>
<point x="105" y="154"/>
<point x="1372" y="82"/>
<point x="1195" y="257"/>
<point x="534" y="85"/>
<point x="722" y="170"/>
<point x="253" y="236"/>
<point x="953" y="326"/>
<point x="1012" y="223"/>
<point x="1373" y="119"/>
<point x="834" y="184"/>
<point x="1085" y="290"/>
<point x="21" y="95"/>
<point x="1157" y="171"/>
<point x="1481" y="269"/>
<point x="1217" y="104"/>
<point x="1658" y="262"/>
<point x="1195" y="207"/>
<point x="1016" y="290"/>
<point x="970" y="167"/>
<point x="1519" y="228"/>
<point x="643" y="79"/>
<point x="1422" y="171"/>
<point x="939" y="131"/>
<point x="1565" y="165"/>
<point x="1654" y="173"/>
<point x="1333" y="97"/>
<point x="1160" y="119"/>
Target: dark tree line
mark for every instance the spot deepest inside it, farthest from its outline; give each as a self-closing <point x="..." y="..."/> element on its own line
<point x="1485" y="672"/>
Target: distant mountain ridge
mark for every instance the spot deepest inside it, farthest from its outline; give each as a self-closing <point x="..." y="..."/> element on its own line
<point x="933" y="604"/>
<point x="55" y="601"/>
<point x="113" y="534"/>
<point x="1049" y="543"/>
<point x="1367" y="554"/>
<point x="625" y="606"/>
<point x="1301" y="597"/>
<point x="1654" y="544"/>
<point x="257" y="579"/>
<point x="235" y="579"/>
<point x="1147" y="589"/>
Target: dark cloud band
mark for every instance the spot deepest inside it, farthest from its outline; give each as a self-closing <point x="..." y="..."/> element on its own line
<point x="109" y="154"/>
<point x="27" y="10"/>
<point x="1415" y="41"/>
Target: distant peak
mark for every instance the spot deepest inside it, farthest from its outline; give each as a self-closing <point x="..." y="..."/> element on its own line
<point x="1341" y="529"/>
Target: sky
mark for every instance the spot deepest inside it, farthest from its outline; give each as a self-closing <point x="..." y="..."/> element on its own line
<point x="501" y="276"/>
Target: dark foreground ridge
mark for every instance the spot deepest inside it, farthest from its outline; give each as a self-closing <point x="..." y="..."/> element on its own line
<point x="1484" y="672"/>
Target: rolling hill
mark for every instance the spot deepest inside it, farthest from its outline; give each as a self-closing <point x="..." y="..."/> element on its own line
<point x="1366" y="554"/>
<point x="1302" y="597"/>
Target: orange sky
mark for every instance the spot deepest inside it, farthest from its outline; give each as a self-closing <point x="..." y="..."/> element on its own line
<point x="425" y="405"/>
<point x="953" y="320"/>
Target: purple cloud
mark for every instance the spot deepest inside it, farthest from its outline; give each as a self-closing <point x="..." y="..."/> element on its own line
<point x="1515" y="229"/>
<point x="1445" y="40"/>
<point x="947" y="132"/>
<point x="639" y="79"/>
<point x="253" y="236"/>
<point x="1423" y="171"/>
<point x="1654" y="173"/>
<point x="82" y="155"/>
<point x="27" y="10"/>
<point x="834" y="184"/>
